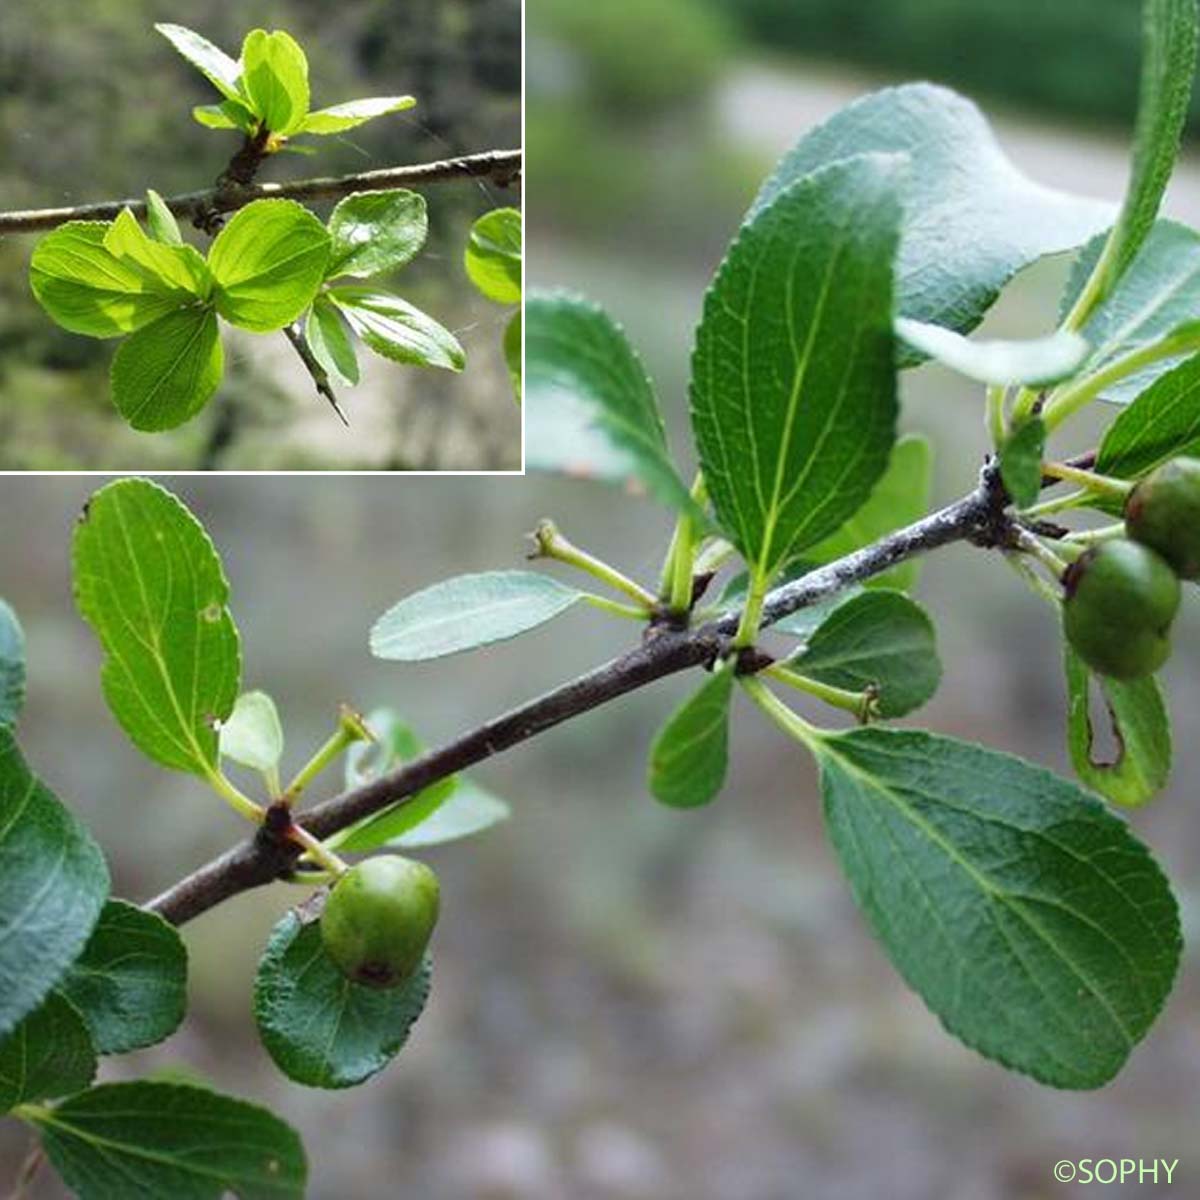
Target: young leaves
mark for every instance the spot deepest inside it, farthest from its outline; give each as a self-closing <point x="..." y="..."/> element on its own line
<point x="130" y="983"/>
<point x="214" y="64"/>
<point x="340" y="117"/>
<point x="167" y="372"/>
<point x="53" y="883"/>
<point x="12" y="666"/>
<point x="167" y="1139"/>
<point x="275" y="79"/>
<point x="793" y="377"/>
<point x="162" y="220"/>
<point x="1141" y="729"/>
<point x="48" y="1054"/>
<point x="592" y="411"/>
<point x="971" y="219"/>
<point x="468" y="611"/>
<point x="268" y="262"/>
<point x="1168" y="67"/>
<point x="268" y="86"/>
<point x="690" y="754"/>
<point x="253" y="735"/>
<point x="879" y="640"/>
<point x="88" y="288"/>
<point x="373" y="232"/>
<point x="395" y="329"/>
<point x="493" y="255"/>
<point x="322" y="1029"/>
<point x="150" y="584"/>
<point x="1033" y="362"/>
<point x="1026" y="916"/>
<point x="512" y="354"/>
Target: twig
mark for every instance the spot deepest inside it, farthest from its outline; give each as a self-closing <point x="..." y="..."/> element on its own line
<point x="319" y="375"/>
<point x="978" y="518"/>
<point x="503" y="167"/>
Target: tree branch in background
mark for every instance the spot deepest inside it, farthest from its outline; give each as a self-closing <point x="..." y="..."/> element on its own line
<point x="978" y="518"/>
<point x="502" y="167"/>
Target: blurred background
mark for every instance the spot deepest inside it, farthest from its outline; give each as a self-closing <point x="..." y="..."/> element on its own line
<point x="94" y="104"/>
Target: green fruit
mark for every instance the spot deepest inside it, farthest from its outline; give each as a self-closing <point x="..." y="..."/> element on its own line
<point x="378" y="920"/>
<point x="1163" y="512"/>
<point x="1121" y="600"/>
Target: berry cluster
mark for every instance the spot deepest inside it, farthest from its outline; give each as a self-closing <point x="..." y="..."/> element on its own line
<point x="1122" y="594"/>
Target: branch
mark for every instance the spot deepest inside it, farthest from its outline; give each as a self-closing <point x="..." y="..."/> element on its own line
<point x="978" y="518"/>
<point x="502" y="167"/>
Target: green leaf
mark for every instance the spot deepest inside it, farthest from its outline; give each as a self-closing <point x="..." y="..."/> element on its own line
<point x="162" y="220"/>
<point x="268" y="262"/>
<point x="493" y="255"/>
<point x="179" y="268"/>
<point x="329" y="340"/>
<point x="591" y="408"/>
<point x="512" y="353"/>
<point x="1168" y="67"/>
<point x="466" y="811"/>
<point x="275" y="78"/>
<point x="1027" y="917"/>
<point x="322" y="1029"/>
<point x="1021" y="462"/>
<point x="397" y="744"/>
<point x="1140" y="726"/>
<point x="122" y="1140"/>
<point x="340" y="117"/>
<point x="374" y="232"/>
<point x="395" y="329"/>
<point x="214" y="64"/>
<point x="48" y="1054"/>
<point x="53" y="883"/>
<point x="468" y="611"/>
<point x="130" y="982"/>
<point x="879" y="640"/>
<point x="972" y="220"/>
<point x="1162" y="423"/>
<point x="1033" y="362"/>
<point x="1158" y="295"/>
<point x="229" y="114"/>
<point x="150" y="584"/>
<point x="793" y="376"/>
<point x="690" y="754"/>
<point x="12" y="666"/>
<point x="165" y="374"/>
<point x="900" y="497"/>
<point x="253" y="736"/>
<point x="87" y="289"/>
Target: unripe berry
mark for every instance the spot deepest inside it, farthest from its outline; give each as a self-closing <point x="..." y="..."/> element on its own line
<point x="1163" y="512"/>
<point x="378" y="919"/>
<point x="1121" y="599"/>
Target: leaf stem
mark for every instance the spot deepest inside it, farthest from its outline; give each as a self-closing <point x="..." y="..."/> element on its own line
<point x="1089" y="537"/>
<point x="317" y="850"/>
<point x="1067" y="401"/>
<point x="615" y="607"/>
<point x="550" y="543"/>
<point x="752" y="614"/>
<point x="1104" y="484"/>
<point x="676" y="586"/>
<point x="351" y="728"/>
<point x="1055" y="504"/>
<point x="234" y="796"/>
<point x="996" y="395"/>
<point x="794" y="725"/>
<point x="864" y="705"/>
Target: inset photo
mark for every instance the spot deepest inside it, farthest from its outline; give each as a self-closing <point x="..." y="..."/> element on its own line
<point x="261" y="237"/>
